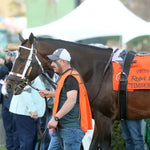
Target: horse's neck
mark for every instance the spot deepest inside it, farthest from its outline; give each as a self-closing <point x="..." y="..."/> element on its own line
<point x="84" y="58"/>
<point x="46" y="47"/>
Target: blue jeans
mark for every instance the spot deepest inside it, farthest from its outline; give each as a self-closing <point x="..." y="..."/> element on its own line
<point x="131" y="130"/>
<point x="71" y="139"/>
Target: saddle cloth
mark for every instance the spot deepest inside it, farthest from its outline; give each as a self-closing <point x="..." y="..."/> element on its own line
<point x="139" y="74"/>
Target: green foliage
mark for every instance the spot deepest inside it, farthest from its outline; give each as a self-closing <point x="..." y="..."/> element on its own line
<point x="117" y="142"/>
<point x="139" y="44"/>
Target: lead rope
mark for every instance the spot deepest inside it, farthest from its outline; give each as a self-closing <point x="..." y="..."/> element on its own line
<point x="45" y="131"/>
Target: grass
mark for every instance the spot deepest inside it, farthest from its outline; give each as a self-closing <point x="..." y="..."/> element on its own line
<point x="2" y="148"/>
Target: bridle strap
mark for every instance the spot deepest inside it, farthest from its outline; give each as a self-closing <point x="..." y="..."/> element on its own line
<point x="26" y="47"/>
<point x="16" y="74"/>
<point x="28" y="60"/>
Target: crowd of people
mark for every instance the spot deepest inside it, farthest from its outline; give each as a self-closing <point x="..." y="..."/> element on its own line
<point x="24" y="115"/>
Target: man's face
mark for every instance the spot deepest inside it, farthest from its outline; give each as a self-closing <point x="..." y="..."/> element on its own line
<point x="56" y="65"/>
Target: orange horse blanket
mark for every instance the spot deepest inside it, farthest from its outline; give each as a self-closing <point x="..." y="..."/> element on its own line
<point x="139" y="74"/>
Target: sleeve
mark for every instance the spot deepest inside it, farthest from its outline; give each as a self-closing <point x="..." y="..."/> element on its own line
<point x="71" y="84"/>
<point x="3" y="72"/>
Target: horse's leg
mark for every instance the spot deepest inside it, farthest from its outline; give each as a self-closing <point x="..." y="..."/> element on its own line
<point x="102" y="133"/>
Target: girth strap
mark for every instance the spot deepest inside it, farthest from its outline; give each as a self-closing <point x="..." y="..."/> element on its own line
<point x="122" y="93"/>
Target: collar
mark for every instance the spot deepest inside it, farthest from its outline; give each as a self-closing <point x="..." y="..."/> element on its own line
<point x="67" y="70"/>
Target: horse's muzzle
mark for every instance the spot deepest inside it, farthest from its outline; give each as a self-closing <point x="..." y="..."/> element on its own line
<point x="9" y="87"/>
<point x="13" y="88"/>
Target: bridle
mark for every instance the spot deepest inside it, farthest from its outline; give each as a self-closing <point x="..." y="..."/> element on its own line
<point x="28" y="63"/>
<point x="24" y="77"/>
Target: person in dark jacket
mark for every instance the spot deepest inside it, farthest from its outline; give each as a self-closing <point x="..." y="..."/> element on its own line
<point x="12" y="142"/>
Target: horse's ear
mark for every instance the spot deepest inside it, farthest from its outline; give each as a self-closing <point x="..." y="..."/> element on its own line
<point x="21" y="38"/>
<point x="31" y="38"/>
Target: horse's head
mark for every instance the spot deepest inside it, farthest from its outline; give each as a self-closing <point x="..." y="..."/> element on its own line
<point x="25" y="68"/>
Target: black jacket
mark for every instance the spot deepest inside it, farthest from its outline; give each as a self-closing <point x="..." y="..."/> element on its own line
<point x="4" y="71"/>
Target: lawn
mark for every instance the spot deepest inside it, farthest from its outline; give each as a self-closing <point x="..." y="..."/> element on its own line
<point x="2" y="148"/>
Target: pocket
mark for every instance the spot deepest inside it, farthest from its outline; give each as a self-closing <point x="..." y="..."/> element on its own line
<point x="77" y="135"/>
<point x="80" y="134"/>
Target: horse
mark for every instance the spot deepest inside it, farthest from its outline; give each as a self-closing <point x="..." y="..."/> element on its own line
<point x="95" y="66"/>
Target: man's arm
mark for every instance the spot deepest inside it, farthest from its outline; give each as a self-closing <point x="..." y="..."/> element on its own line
<point x="68" y="105"/>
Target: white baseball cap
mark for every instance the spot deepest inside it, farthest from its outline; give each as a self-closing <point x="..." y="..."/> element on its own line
<point x="60" y="53"/>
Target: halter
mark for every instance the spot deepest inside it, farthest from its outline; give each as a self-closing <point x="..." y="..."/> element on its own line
<point x="28" y="63"/>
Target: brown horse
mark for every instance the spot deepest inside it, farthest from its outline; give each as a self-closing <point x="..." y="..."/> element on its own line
<point x="94" y="64"/>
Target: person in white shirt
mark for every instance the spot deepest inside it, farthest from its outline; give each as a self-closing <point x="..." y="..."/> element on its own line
<point x="27" y="108"/>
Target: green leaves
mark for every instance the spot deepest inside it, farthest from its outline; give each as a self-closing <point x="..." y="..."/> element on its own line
<point x="117" y="142"/>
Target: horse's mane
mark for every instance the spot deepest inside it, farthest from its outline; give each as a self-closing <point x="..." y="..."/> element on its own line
<point x="47" y="39"/>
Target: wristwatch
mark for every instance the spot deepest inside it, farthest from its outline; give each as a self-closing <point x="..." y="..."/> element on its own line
<point x="56" y="118"/>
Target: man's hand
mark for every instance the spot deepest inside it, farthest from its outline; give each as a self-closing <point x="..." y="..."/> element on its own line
<point x="34" y="115"/>
<point x="45" y="93"/>
<point x="52" y="123"/>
